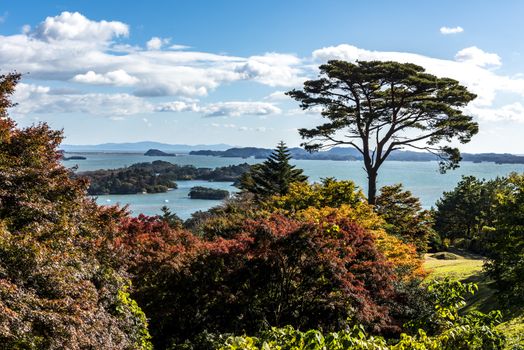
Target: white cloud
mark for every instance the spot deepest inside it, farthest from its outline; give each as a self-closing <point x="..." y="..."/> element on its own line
<point x="177" y="106"/>
<point x="118" y="77"/>
<point x="67" y="46"/>
<point x="156" y="43"/>
<point x="451" y="30"/>
<point x="315" y="110"/>
<point x="480" y="80"/>
<point x="277" y="96"/>
<point x="478" y="57"/>
<point x="272" y="69"/>
<point x="76" y="27"/>
<point x="179" y="47"/>
<point x="509" y="112"/>
<point x="74" y="49"/>
<point x="219" y="109"/>
<point x="241" y="128"/>
<point x="236" y="109"/>
<point x="39" y="99"/>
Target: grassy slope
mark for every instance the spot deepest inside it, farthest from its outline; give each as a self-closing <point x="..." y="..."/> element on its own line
<point x="468" y="268"/>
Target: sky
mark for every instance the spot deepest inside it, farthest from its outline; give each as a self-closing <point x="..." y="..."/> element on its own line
<point x="207" y="72"/>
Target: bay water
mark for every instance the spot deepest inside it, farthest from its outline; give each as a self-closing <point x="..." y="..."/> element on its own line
<point x="421" y="178"/>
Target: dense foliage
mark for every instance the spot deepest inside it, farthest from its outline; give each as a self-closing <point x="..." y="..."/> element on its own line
<point x="465" y="215"/>
<point x="404" y="216"/>
<point x="343" y="200"/>
<point x="486" y="216"/>
<point x="58" y="287"/>
<point x="158" y="176"/>
<point x="468" y="332"/>
<point x="506" y="263"/>
<point x="269" y="262"/>
<point x="276" y="271"/>
<point x="273" y="176"/>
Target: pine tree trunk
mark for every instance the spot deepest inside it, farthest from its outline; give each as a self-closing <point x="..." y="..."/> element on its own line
<point x="372" y="186"/>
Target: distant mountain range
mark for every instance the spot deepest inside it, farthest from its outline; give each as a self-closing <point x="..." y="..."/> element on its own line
<point x="336" y="153"/>
<point x="141" y="147"/>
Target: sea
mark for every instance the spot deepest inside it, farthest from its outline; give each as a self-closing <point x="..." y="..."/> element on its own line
<point x="421" y="178"/>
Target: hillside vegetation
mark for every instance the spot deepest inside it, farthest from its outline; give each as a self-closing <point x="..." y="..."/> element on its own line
<point x="283" y="264"/>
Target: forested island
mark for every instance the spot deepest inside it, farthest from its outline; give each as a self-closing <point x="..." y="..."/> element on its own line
<point x="346" y="153"/>
<point x="158" y="153"/>
<point x="158" y="176"/>
<point x="200" y="192"/>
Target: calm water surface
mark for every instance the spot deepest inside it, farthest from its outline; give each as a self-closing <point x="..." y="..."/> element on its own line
<point x="422" y="178"/>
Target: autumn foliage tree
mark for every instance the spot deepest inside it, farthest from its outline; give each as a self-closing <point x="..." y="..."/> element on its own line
<point x="275" y="271"/>
<point x="59" y="286"/>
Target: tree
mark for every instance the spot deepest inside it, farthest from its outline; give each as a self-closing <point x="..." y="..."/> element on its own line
<point x="273" y="176"/>
<point x="378" y="107"/>
<point x="59" y="287"/>
<point x="506" y="261"/>
<point x="404" y="216"/>
<point x="467" y="210"/>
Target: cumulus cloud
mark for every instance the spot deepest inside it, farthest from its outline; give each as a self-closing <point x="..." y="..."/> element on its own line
<point x="272" y="69"/>
<point x="72" y="47"/>
<point x="177" y="106"/>
<point x="478" y="57"/>
<point x="75" y="49"/>
<point x="118" y="77"/>
<point x="510" y="112"/>
<point x="76" y="27"/>
<point x="469" y="69"/>
<point x="451" y="30"/>
<point x="40" y="99"/>
<point x="156" y="43"/>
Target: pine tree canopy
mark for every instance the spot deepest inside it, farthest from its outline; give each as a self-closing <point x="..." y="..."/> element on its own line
<point x="274" y="175"/>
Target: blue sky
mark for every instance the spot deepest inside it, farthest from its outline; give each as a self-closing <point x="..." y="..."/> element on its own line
<point x="215" y="71"/>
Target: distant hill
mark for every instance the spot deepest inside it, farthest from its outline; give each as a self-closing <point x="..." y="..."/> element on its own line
<point x="336" y="153"/>
<point x="345" y="153"/>
<point x="141" y="147"/>
<point x="158" y="153"/>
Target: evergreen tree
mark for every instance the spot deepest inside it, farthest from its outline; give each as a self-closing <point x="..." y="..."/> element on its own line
<point x="273" y="176"/>
<point x="404" y="216"/>
<point x="378" y="107"/>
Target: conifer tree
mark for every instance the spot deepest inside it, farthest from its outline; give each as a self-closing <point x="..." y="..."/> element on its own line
<point x="273" y="176"/>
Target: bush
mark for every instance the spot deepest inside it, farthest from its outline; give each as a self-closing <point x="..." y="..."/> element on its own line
<point x="444" y="256"/>
<point x="276" y="271"/>
<point x="469" y="332"/>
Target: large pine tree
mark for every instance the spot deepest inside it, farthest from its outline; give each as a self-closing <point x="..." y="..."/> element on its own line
<point x="273" y="176"/>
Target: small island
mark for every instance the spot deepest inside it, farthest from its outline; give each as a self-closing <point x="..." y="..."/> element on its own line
<point x="199" y="192"/>
<point x="158" y="153"/>
<point x="74" y="158"/>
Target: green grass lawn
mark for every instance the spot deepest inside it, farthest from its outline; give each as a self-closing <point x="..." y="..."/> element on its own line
<point x="461" y="268"/>
<point x="468" y="268"/>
